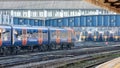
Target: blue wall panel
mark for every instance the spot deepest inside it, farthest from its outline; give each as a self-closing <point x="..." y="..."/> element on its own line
<point x="82" y="21"/>
<point x="21" y="21"/>
<point x="47" y="23"/>
<point x="106" y="20"/>
<point x="94" y="21"/>
<point x="51" y="22"/>
<point x="112" y="20"/>
<point x="71" y="21"/>
<point x="100" y="20"/>
<point x="36" y="22"/>
<point x="15" y="21"/>
<point x="59" y="22"/>
<point x="77" y="21"/>
<point x="89" y="21"/>
<point x="117" y="20"/>
<point x="26" y="21"/>
<point x="31" y="22"/>
<point x="65" y="22"/>
<point x="41" y="22"/>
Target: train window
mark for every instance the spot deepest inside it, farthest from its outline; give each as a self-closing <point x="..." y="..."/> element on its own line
<point x="16" y="33"/>
<point x="6" y="35"/>
<point x="45" y="35"/>
<point x="57" y="34"/>
<point x="54" y="34"/>
<point x="63" y="35"/>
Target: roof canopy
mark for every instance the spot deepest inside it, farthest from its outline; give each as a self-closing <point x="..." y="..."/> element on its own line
<point x="46" y="4"/>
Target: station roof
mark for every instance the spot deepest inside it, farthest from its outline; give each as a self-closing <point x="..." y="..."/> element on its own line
<point x="46" y="4"/>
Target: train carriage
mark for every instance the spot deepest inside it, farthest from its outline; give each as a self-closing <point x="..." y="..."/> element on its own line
<point x="30" y="36"/>
<point x="60" y="38"/>
<point x="56" y="38"/>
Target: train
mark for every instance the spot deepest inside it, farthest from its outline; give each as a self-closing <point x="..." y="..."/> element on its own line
<point x="98" y="34"/>
<point x="16" y="38"/>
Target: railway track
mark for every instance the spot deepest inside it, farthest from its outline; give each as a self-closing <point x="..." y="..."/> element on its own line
<point x="63" y="61"/>
<point x="78" y="45"/>
<point x="53" y="56"/>
<point x="93" y="62"/>
<point x="22" y="52"/>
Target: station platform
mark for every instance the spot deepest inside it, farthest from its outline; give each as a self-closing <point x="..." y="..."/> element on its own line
<point x="115" y="63"/>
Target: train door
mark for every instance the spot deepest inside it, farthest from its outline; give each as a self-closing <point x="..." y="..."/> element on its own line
<point x="24" y="38"/>
<point x="40" y="36"/>
<point x="0" y="37"/>
<point x="69" y="36"/>
<point x="57" y="36"/>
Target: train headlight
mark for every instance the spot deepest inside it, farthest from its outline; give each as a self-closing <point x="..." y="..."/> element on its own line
<point x="83" y="37"/>
<point x="95" y="37"/>
<point x="105" y="37"/>
<point x="116" y="37"/>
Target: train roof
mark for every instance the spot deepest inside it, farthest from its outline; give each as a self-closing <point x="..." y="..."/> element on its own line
<point x="30" y="27"/>
<point x="56" y="28"/>
<point x="5" y="26"/>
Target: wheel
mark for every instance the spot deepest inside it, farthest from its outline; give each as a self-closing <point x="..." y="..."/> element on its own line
<point x="39" y="48"/>
<point x="31" y="48"/>
<point x="4" y="51"/>
<point x="16" y="50"/>
<point x="45" y="47"/>
<point x="61" y="47"/>
<point x="48" y="48"/>
<point x="52" y="46"/>
<point x="69" y="46"/>
<point x="42" y="48"/>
